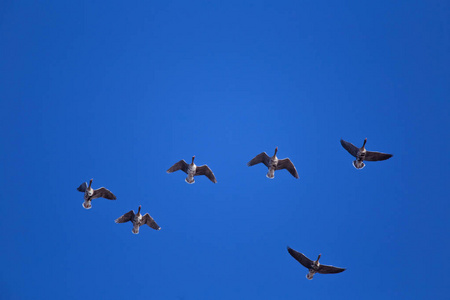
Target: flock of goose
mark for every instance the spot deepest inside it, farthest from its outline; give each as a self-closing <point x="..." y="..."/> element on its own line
<point x="272" y="163"/>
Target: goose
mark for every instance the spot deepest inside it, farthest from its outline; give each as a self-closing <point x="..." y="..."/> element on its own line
<point x="362" y="154"/>
<point x="273" y="163"/>
<point x="138" y="220"/>
<point x="192" y="170"/>
<point x="313" y="266"/>
<point x="90" y="194"/>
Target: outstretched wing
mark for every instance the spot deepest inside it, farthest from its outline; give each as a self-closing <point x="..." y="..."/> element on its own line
<point x="260" y="158"/>
<point x="103" y="193"/>
<point x="146" y="219"/>
<point x="288" y="165"/>
<point x="181" y="165"/>
<point x="376" y="156"/>
<point x="324" y="269"/>
<point x="126" y="217"/>
<point x="301" y="258"/>
<point x="352" y="149"/>
<point x="82" y="187"/>
<point x="205" y="170"/>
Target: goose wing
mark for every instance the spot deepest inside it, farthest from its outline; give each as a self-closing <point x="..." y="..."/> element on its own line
<point x="205" y="170"/>
<point x="301" y="258"/>
<point x="288" y="165"/>
<point x="352" y="149"/>
<point x="181" y="165"/>
<point x="324" y="269"/>
<point x="376" y="156"/>
<point x="126" y="217"/>
<point x="260" y="158"/>
<point x="82" y="188"/>
<point x="103" y="193"/>
<point x="146" y="219"/>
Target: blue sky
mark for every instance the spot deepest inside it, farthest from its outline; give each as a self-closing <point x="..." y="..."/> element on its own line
<point x="119" y="91"/>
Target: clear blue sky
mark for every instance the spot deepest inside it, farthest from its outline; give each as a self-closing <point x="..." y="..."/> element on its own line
<point x="119" y="91"/>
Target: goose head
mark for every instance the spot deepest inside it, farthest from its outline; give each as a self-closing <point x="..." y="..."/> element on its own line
<point x="317" y="261"/>
<point x="139" y="210"/>
<point x="365" y="141"/>
<point x="276" y="150"/>
<point x="193" y="157"/>
<point x="90" y="182"/>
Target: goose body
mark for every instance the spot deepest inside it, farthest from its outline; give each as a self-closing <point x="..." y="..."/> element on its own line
<point x="362" y="154"/>
<point x="313" y="266"/>
<point x="91" y="194"/>
<point x="273" y="164"/>
<point x="192" y="170"/>
<point x="138" y="220"/>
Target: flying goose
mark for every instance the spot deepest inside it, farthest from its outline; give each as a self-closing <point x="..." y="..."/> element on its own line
<point x="138" y="220"/>
<point x="362" y="154"/>
<point x="192" y="170"/>
<point x="313" y="266"/>
<point x="273" y="163"/>
<point x="90" y="194"/>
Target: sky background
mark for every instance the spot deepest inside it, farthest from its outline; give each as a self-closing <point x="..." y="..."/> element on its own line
<point x="120" y="91"/>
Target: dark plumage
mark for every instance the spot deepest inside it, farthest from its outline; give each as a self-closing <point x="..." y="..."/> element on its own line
<point x="138" y="220"/>
<point x="181" y="165"/>
<point x="362" y="154"/>
<point x="192" y="170"/>
<point x="313" y="266"/>
<point x="260" y="158"/>
<point x="90" y="194"/>
<point x="273" y="163"/>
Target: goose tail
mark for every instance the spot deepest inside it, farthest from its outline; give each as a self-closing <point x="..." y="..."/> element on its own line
<point x="358" y="164"/>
